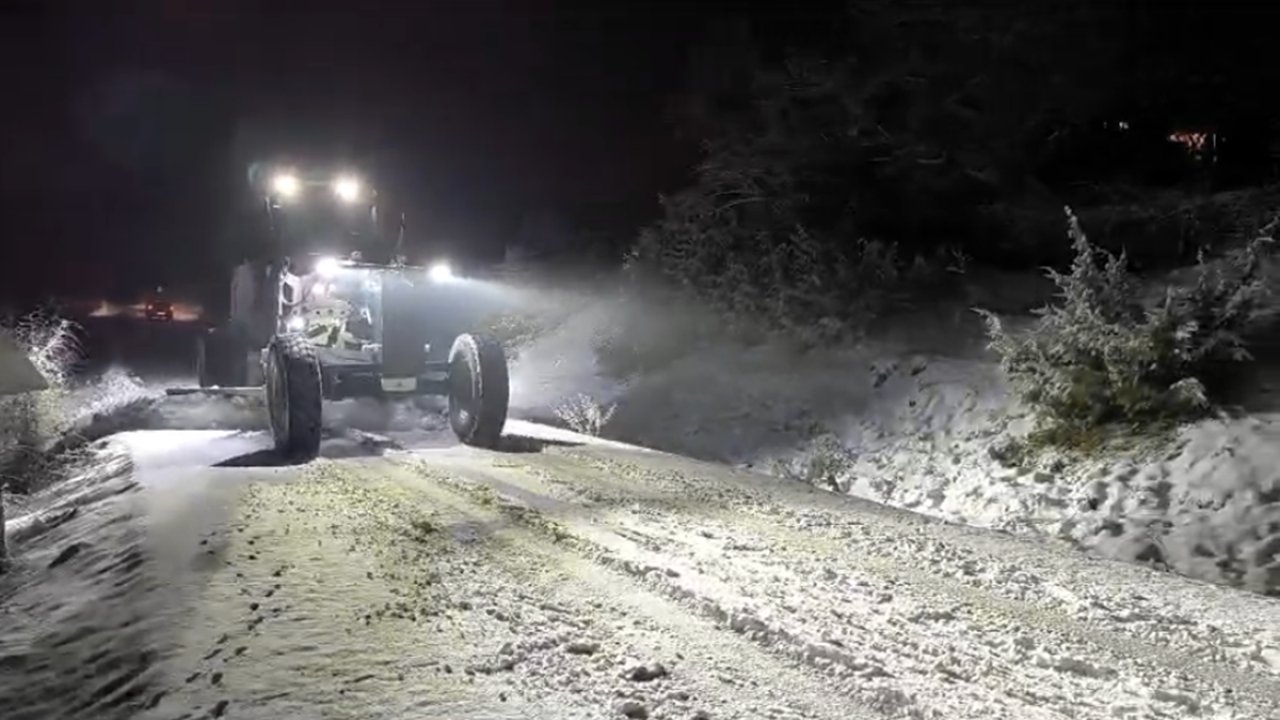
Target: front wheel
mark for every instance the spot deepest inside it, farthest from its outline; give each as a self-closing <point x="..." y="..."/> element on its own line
<point x="294" y="396"/>
<point x="479" y="390"/>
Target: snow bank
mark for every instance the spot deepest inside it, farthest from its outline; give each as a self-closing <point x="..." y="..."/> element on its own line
<point x="1204" y="502"/>
<point x="922" y="419"/>
<point x="1209" y="509"/>
<point x="80" y="636"/>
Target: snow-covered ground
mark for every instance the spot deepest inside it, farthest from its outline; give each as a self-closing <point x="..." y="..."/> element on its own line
<point x="920" y="418"/>
<point x="191" y="573"/>
<point x="576" y="579"/>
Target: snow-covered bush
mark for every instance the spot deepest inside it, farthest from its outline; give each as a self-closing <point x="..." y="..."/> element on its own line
<point x="751" y="257"/>
<point x="825" y="463"/>
<point x="584" y="414"/>
<point x="777" y="229"/>
<point x="1102" y="356"/>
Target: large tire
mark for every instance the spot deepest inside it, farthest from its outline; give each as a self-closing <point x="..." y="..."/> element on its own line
<point x="478" y="390"/>
<point x="293" y="389"/>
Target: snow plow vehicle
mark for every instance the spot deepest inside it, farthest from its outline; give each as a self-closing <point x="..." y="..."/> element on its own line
<point x="307" y="327"/>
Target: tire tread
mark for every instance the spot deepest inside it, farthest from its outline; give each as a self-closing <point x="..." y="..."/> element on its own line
<point x="303" y="387"/>
<point x="488" y="364"/>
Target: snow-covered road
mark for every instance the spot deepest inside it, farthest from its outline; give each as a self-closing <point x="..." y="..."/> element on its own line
<point x="575" y="579"/>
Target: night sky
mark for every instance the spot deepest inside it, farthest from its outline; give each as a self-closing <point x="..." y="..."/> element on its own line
<point x="129" y="126"/>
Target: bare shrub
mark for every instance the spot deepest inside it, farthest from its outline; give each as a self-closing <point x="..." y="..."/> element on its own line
<point x="1101" y="356"/>
<point x="50" y="342"/>
<point x="584" y="414"/>
<point x="30" y="422"/>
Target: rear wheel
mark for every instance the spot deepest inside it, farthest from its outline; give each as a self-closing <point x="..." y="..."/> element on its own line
<point x="293" y="390"/>
<point x="221" y="359"/>
<point x="202" y="362"/>
<point x="478" y="390"/>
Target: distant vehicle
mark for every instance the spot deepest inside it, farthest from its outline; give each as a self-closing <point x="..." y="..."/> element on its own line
<point x="159" y="310"/>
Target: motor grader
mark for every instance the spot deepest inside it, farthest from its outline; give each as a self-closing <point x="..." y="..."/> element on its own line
<point x="321" y="320"/>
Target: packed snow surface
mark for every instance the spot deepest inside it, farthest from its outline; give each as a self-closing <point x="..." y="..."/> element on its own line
<point x="195" y="575"/>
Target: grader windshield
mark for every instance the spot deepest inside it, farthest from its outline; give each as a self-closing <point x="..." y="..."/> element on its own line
<point x="323" y="211"/>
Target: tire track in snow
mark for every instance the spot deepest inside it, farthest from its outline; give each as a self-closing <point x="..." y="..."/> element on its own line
<point x="359" y="586"/>
<point x="1020" y="626"/>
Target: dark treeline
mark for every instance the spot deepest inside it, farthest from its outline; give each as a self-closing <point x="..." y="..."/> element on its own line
<point x="888" y="132"/>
